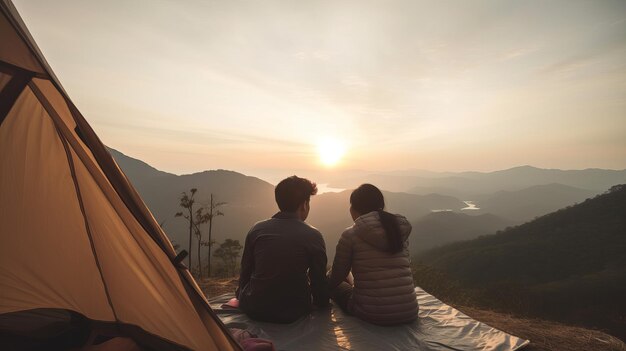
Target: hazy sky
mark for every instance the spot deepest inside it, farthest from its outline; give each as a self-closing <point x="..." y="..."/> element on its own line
<point x="440" y="85"/>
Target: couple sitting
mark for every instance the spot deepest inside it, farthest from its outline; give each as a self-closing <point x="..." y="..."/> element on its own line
<point x="283" y="267"/>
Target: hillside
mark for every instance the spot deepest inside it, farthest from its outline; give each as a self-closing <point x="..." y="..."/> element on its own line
<point x="525" y="204"/>
<point x="569" y="265"/>
<point x="439" y="228"/>
<point x="248" y="199"/>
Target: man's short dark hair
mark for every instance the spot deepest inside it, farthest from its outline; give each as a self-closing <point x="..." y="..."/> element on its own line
<point x="291" y="192"/>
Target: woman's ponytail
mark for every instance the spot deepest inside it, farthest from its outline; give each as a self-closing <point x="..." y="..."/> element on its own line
<point x="367" y="198"/>
<point x="390" y="224"/>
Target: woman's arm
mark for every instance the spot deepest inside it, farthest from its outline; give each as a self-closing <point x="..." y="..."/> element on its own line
<point x="342" y="262"/>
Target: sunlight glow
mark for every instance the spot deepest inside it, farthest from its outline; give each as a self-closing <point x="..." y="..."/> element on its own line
<point x="330" y="151"/>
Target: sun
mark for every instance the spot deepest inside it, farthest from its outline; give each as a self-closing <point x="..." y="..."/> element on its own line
<point x="330" y="151"/>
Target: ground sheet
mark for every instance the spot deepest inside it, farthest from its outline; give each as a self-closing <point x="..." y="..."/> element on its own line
<point x="439" y="327"/>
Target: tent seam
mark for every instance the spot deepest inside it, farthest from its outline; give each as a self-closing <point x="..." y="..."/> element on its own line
<point x="79" y="197"/>
<point x="63" y="130"/>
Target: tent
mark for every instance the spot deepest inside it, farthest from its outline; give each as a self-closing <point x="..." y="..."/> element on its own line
<point x="82" y="260"/>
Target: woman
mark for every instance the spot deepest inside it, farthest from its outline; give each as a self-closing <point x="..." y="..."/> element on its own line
<point x="375" y="248"/>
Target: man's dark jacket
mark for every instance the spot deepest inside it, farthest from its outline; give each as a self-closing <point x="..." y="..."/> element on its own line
<point x="280" y="257"/>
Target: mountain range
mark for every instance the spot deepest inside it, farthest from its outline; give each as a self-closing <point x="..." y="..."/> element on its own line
<point x="568" y="265"/>
<point x="467" y="185"/>
<point x="250" y="199"/>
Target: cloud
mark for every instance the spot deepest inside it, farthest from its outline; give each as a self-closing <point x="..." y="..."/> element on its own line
<point x="566" y="66"/>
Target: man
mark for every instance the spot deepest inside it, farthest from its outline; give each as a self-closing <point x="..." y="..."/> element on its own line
<point x="283" y="264"/>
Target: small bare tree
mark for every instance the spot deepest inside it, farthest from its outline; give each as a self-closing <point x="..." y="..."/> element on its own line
<point x="213" y="209"/>
<point x="187" y="202"/>
<point x="209" y="244"/>
<point x="200" y="218"/>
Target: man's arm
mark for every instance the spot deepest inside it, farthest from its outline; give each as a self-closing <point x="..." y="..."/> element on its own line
<point x="317" y="272"/>
<point x="247" y="263"/>
<point x="342" y="263"/>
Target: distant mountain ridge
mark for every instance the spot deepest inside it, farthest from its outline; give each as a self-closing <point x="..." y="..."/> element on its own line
<point x="466" y="185"/>
<point x="134" y="168"/>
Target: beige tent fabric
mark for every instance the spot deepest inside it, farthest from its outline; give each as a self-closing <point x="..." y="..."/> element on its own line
<point x="14" y="50"/>
<point x="59" y="105"/>
<point x="144" y="287"/>
<point x="45" y="255"/>
<point x="56" y="101"/>
<point x="70" y="236"/>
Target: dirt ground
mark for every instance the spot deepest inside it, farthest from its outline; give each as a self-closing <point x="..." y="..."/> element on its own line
<point x="218" y="286"/>
<point x="547" y="335"/>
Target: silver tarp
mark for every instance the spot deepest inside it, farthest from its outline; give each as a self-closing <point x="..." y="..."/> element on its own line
<point x="439" y="327"/>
